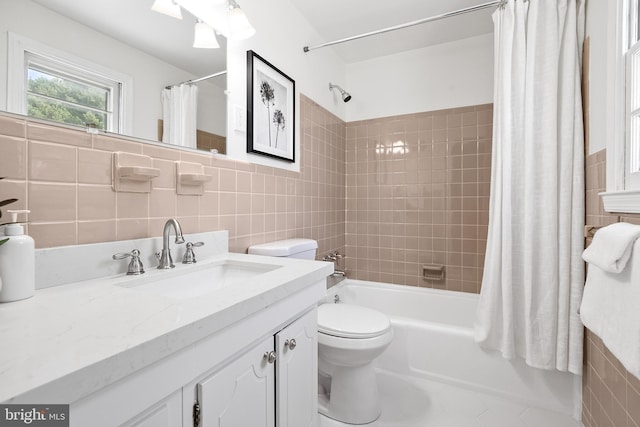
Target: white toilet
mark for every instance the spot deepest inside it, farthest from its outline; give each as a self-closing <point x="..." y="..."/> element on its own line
<point x="350" y="337"/>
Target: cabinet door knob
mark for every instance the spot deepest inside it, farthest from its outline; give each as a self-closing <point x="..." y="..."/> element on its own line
<point x="269" y="356"/>
<point x="291" y="344"/>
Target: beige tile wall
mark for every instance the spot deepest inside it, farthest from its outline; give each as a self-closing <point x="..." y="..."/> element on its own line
<point x="611" y="395"/>
<point x="418" y="193"/>
<point x="64" y="177"/>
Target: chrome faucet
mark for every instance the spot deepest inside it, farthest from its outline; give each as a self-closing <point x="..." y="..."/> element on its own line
<point x="165" y="256"/>
<point x="335" y="257"/>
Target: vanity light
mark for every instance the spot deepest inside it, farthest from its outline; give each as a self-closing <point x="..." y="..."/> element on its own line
<point x="204" y="36"/>
<point x="167" y="7"/>
<point x="239" y="26"/>
<point x="224" y="16"/>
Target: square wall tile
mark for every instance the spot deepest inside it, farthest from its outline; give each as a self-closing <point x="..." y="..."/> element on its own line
<point x="94" y="167"/>
<point x="52" y="202"/>
<point x="12" y="126"/>
<point x="96" y="202"/>
<point x="96" y="231"/>
<point x="52" y="162"/>
<point x="47" y="235"/>
<point x="132" y="205"/>
<point x="55" y="134"/>
<point x="13" y="161"/>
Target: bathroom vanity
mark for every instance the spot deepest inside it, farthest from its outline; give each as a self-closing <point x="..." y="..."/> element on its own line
<point x="123" y="352"/>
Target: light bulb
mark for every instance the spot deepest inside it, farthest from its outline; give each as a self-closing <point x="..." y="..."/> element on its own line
<point x="204" y="37"/>
<point x="239" y="26"/>
<point x="167" y="7"/>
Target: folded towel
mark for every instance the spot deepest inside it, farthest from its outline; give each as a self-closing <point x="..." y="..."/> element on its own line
<point x="611" y="246"/>
<point x="610" y="310"/>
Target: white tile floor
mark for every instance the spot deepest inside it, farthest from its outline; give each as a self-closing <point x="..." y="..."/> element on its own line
<point x="412" y="402"/>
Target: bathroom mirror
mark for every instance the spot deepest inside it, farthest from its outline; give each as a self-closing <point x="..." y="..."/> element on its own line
<point x="123" y="41"/>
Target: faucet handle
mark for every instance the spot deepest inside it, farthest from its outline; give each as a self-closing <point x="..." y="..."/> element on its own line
<point x="189" y="256"/>
<point x="135" y="266"/>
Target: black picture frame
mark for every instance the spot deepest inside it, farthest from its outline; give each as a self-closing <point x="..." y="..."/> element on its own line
<point x="270" y="110"/>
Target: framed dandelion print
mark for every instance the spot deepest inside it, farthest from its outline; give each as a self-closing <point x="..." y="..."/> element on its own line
<point x="270" y="110"/>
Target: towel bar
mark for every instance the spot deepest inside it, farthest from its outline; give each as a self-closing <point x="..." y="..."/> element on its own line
<point x="590" y="230"/>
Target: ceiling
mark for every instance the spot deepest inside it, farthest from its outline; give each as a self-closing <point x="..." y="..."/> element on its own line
<point x="133" y="23"/>
<point x="337" y="19"/>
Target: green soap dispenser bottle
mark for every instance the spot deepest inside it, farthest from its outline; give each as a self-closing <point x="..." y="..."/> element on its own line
<point x="17" y="262"/>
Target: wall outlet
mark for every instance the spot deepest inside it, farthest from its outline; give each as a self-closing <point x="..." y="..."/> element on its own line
<point x="239" y="118"/>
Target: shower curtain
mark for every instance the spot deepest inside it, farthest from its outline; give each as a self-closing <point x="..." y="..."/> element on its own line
<point x="533" y="273"/>
<point x="179" y="115"/>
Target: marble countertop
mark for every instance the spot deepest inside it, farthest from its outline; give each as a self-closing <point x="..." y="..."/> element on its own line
<point x="83" y="336"/>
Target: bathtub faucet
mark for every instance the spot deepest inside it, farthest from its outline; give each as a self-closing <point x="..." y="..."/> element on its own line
<point x="334" y="256"/>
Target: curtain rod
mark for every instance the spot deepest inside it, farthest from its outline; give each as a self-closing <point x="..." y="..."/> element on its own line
<point x="409" y="24"/>
<point x="188" y="82"/>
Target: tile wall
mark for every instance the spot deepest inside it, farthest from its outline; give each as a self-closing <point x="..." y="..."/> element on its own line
<point x="418" y="193"/>
<point x="64" y="177"/>
<point x="611" y="395"/>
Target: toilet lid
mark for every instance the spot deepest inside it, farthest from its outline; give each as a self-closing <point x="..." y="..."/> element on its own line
<point x="351" y="321"/>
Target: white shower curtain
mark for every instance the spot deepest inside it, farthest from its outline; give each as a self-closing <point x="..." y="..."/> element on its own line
<point x="533" y="273"/>
<point x="179" y="115"/>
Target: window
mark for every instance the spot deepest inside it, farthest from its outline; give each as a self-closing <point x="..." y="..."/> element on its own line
<point x="632" y="151"/>
<point x="56" y="91"/>
<point x="623" y="124"/>
<point x="50" y="84"/>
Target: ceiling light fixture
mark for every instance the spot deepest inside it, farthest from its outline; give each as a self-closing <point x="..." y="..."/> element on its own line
<point x="224" y="16"/>
<point x="239" y="26"/>
<point x="167" y="7"/>
<point x="204" y="36"/>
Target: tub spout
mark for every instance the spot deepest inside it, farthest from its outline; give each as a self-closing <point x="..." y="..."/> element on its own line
<point x="340" y="273"/>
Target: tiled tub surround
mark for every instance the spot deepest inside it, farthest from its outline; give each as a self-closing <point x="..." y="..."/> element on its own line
<point x="64" y="177"/>
<point x="418" y="193"/>
<point x="611" y="395"/>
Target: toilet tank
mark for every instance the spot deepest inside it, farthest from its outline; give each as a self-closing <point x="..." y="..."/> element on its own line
<point x="291" y="248"/>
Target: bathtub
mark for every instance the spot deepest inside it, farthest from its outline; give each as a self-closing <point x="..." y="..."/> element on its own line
<point x="433" y="339"/>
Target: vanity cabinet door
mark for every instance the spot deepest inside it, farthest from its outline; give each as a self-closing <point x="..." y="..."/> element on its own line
<point x="241" y="393"/>
<point x="297" y="372"/>
<point x="167" y="413"/>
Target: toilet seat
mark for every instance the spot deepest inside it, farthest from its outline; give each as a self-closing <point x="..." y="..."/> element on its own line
<point x="351" y="321"/>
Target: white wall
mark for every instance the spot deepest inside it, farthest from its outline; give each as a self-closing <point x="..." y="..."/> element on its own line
<point x="149" y="74"/>
<point x="281" y="34"/>
<point x="448" y="75"/>
<point x="599" y="14"/>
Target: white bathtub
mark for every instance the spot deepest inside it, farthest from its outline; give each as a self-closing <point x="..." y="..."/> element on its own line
<point x="433" y="339"/>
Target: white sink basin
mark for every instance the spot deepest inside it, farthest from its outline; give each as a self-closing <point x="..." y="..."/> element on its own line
<point x="185" y="282"/>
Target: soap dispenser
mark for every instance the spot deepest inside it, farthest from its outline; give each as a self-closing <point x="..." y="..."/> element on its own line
<point x="17" y="261"/>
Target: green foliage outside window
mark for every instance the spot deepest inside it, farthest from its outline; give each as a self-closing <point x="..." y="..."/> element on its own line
<point x="44" y="93"/>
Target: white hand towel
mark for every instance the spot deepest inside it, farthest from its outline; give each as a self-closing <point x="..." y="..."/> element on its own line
<point x="610" y="309"/>
<point x="612" y="246"/>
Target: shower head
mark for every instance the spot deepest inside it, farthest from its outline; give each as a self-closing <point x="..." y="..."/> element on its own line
<point x="346" y="97"/>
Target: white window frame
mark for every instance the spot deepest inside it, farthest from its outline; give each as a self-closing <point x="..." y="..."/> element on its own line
<point x="623" y="188"/>
<point x="21" y="48"/>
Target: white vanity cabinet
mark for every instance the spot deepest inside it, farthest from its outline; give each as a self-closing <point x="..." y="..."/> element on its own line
<point x="241" y="393"/>
<point x="166" y="413"/>
<point x="297" y="373"/>
<point x="272" y="384"/>
<point x="258" y="372"/>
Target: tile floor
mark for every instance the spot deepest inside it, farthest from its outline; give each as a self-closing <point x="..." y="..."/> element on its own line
<point x="413" y="402"/>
